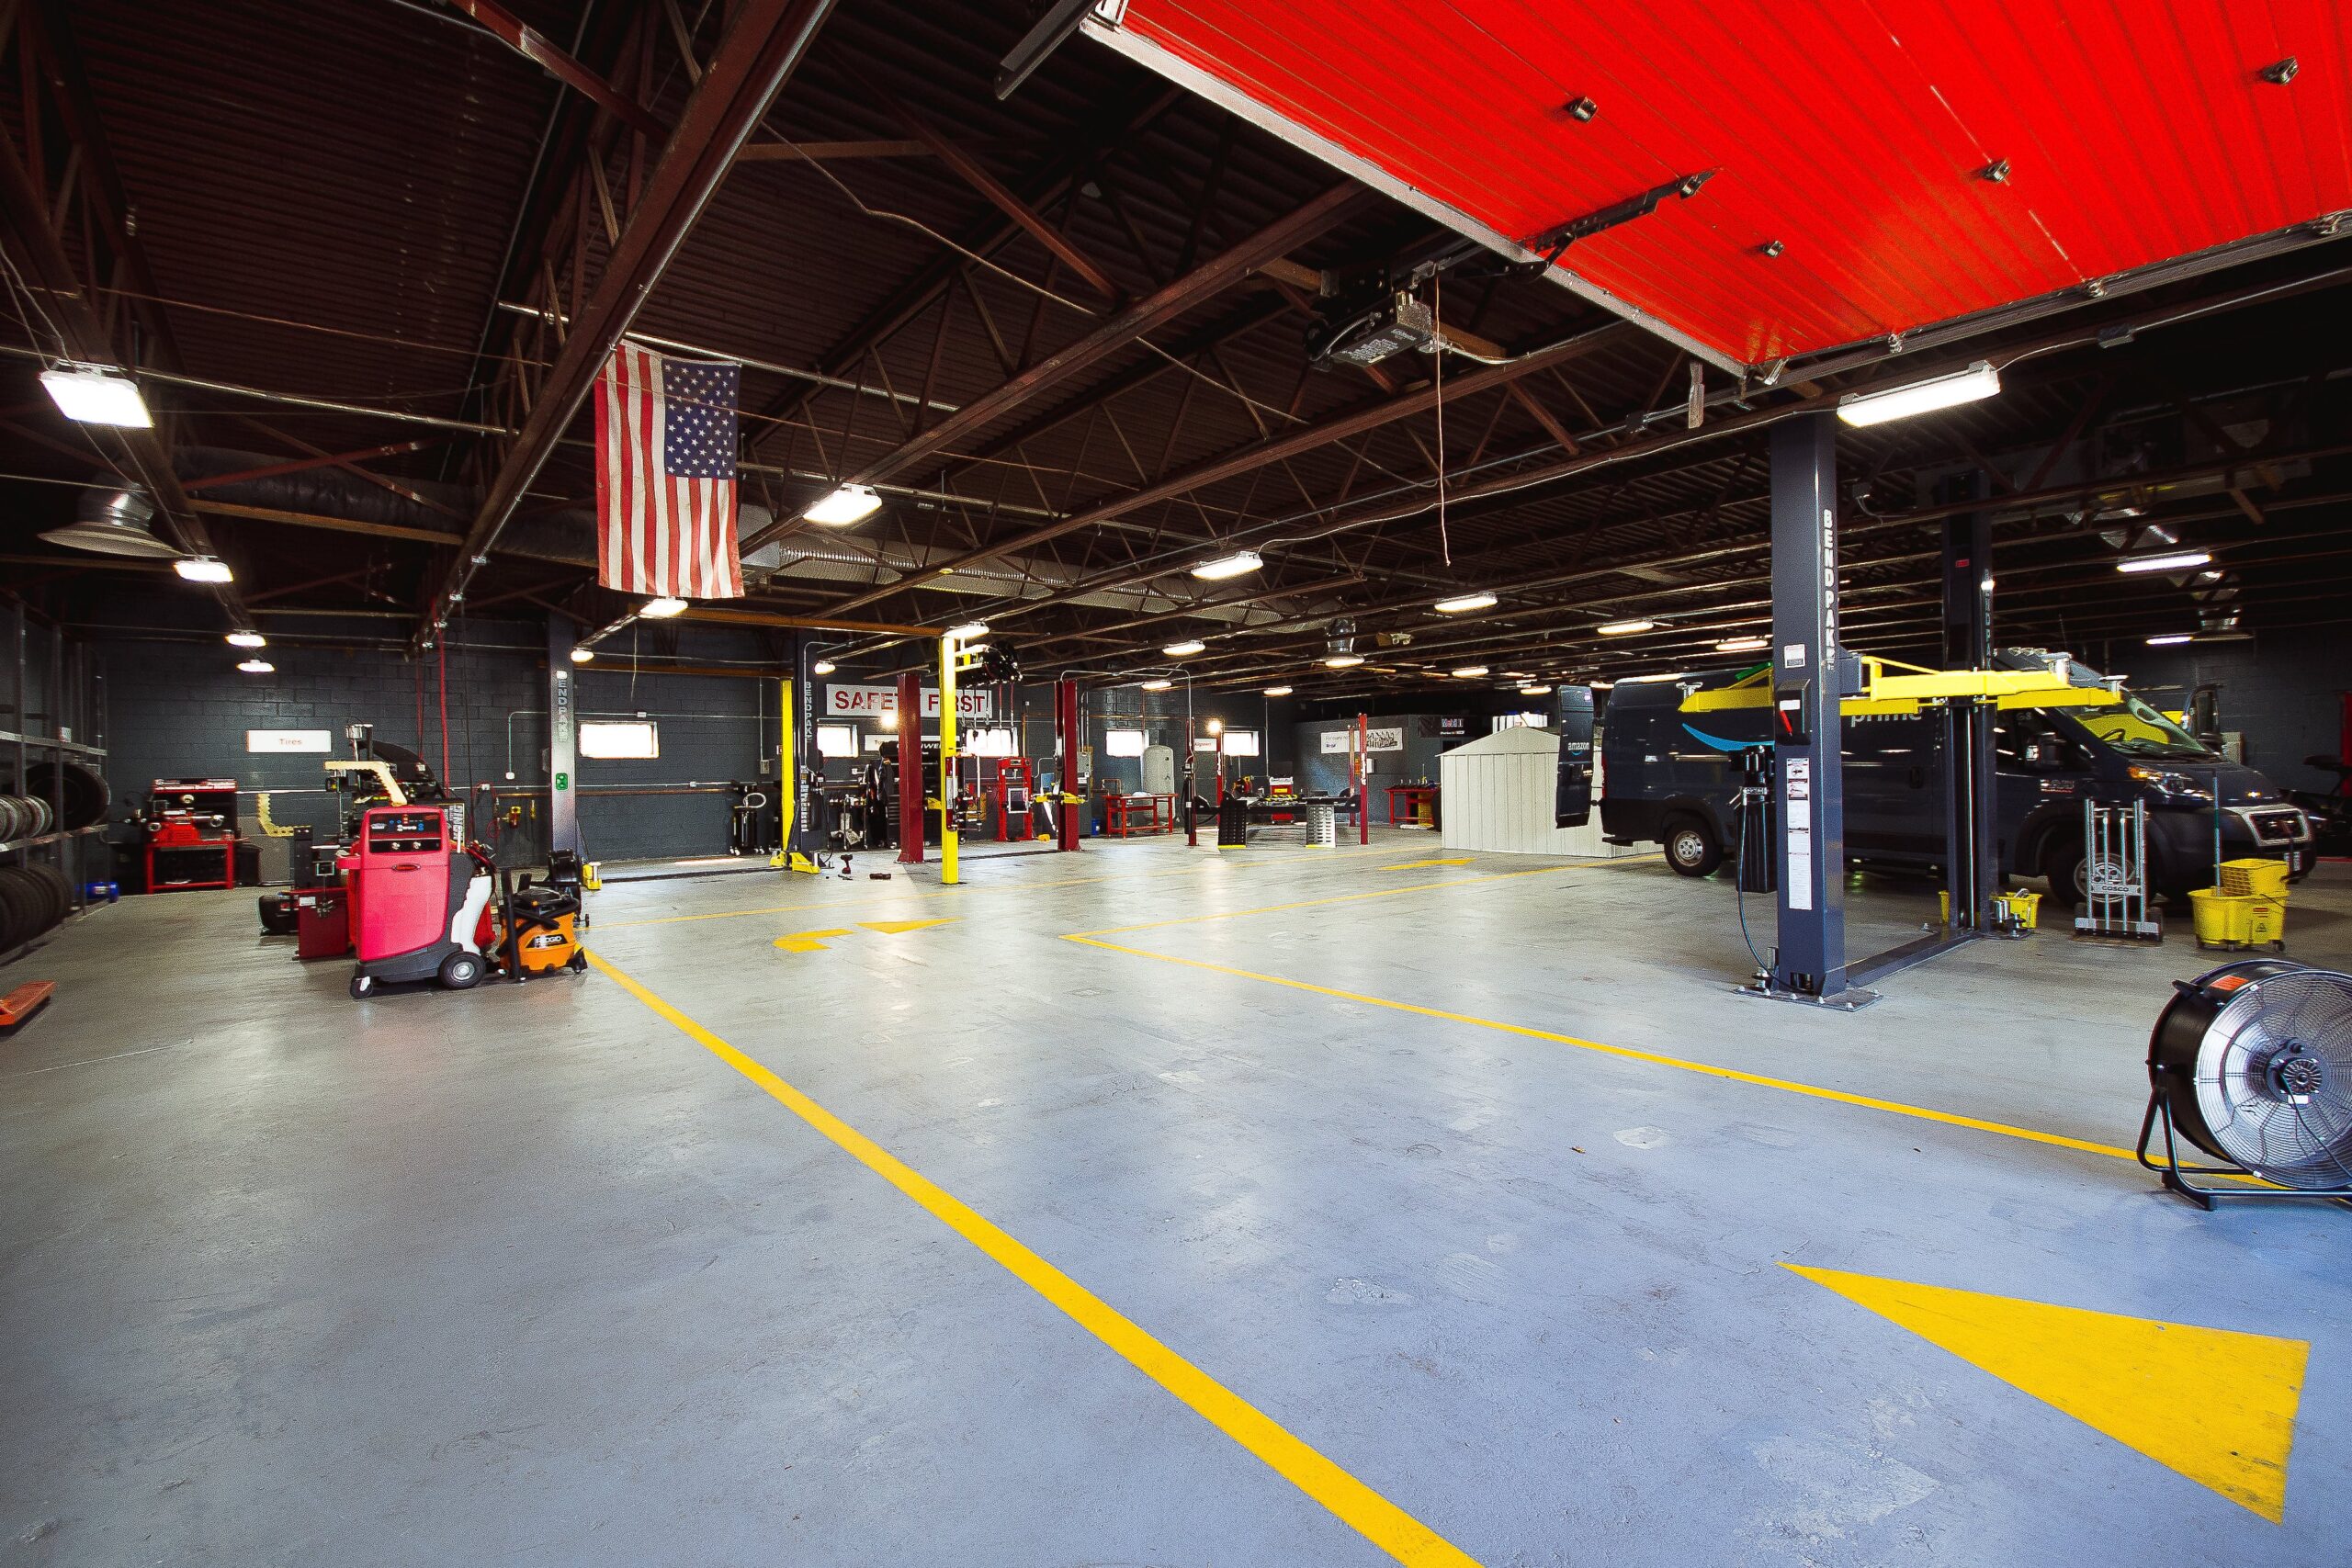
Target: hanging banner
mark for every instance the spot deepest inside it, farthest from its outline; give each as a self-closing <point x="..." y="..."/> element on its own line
<point x="1344" y="740"/>
<point x="869" y="701"/>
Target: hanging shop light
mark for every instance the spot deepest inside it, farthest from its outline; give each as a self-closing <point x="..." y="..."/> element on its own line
<point x="969" y="630"/>
<point x="95" y="394"/>
<point x="823" y="666"/>
<point x="583" y="654"/>
<point x="661" y="609"/>
<point x="1462" y="604"/>
<point x="1278" y="690"/>
<point x="204" y="569"/>
<point x="2179" y="562"/>
<point x="1234" y="565"/>
<point x="247" y="639"/>
<point x="1978" y="382"/>
<point x="1343" y="661"/>
<point x="1624" y="628"/>
<point x="258" y="667"/>
<point x="1158" y="685"/>
<point x="1469" y="671"/>
<point x="1743" y="644"/>
<point x="2169" y="639"/>
<point x="1185" y="649"/>
<point x="848" y="505"/>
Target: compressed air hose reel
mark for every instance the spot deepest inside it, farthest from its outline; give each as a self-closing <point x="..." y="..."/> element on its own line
<point x="2252" y="1064"/>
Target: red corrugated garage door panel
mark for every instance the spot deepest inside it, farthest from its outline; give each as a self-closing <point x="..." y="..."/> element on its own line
<point x="1853" y="133"/>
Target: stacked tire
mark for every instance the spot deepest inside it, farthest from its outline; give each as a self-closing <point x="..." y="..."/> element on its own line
<point x="84" y="793"/>
<point x="33" y="898"/>
<point x="25" y="817"/>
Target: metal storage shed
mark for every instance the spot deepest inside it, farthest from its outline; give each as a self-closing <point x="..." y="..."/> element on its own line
<point x="1497" y="794"/>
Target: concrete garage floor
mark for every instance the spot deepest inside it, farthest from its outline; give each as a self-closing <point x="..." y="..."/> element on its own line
<point x="535" y="1274"/>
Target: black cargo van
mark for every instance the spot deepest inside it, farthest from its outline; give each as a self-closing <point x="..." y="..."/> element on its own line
<point x="1672" y="778"/>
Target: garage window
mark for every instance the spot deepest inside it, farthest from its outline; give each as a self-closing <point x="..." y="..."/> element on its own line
<point x="635" y="740"/>
<point x="837" y="740"/>
<point x="1123" y="742"/>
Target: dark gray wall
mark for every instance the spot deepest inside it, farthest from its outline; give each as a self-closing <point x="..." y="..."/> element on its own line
<point x="1425" y="741"/>
<point x="2285" y="692"/>
<point x="181" y="708"/>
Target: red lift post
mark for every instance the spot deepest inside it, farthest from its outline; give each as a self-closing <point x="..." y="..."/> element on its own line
<point x="910" y="815"/>
<point x="1073" y="798"/>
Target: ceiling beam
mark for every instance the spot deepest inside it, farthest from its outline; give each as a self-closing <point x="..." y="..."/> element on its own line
<point x="1300" y="226"/>
<point x="765" y="41"/>
<point x="545" y="52"/>
<point x="1259" y="454"/>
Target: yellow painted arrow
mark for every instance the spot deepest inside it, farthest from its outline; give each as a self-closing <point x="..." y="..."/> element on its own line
<point x="2215" y="1405"/>
<point x="898" y="928"/>
<point x="809" y="942"/>
<point x="1417" y="864"/>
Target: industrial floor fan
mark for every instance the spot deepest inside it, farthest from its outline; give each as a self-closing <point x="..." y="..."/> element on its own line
<point x="2253" y="1064"/>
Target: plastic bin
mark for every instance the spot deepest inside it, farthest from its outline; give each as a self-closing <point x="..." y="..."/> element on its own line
<point x="2257" y="878"/>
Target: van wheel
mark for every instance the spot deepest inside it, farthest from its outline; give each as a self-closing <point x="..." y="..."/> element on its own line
<point x="1691" y="849"/>
<point x="461" y="971"/>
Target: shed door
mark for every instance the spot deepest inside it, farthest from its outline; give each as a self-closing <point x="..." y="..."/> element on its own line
<point x="1573" y="805"/>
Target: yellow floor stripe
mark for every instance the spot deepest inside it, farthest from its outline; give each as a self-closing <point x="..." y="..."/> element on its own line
<point x="1623" y="1052"/>
<point x="1373" y="1517"/>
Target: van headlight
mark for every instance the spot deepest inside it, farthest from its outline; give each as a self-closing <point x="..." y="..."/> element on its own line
<point x="2166" y="784"/>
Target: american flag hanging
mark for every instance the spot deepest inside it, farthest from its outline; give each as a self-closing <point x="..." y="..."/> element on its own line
<point x="665" y="482"/>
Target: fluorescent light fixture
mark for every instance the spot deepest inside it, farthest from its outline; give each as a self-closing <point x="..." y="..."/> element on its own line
<point x="1600" y="685"/>
<point x="662" y="609"/>
<point x="1343" y="661"/>
<point x="1234" y="565"/>
<point x="1742" y="644"/>
<point x="1624" y="628"/>
<point x="1469" y="671"/>
<point x="2181" y="561"/>
<point x="247" y="639"/>
<point x="1186" y="649"/>
<point x="1978" y="382"/>
<point x="2168" y="640"/>
<point x="2209" y="575"/>
<point x="1278" y="690"/>
<point x="969" y="630"/>
<point x="1462" y="604"/>
<point x="583" y="654"/>
<point x="90" y="394"/>
<point x="850" y="503"/>
<point x="1518" y="674"/>
<point x="1535" y="691"/>
<point x="1158" y="685"/>
<point x="258" y="667"/>
<point x="823" y="666"/>
<point x="203" y="568"/>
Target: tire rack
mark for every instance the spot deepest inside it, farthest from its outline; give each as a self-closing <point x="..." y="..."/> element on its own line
<point x="75" y="702"/>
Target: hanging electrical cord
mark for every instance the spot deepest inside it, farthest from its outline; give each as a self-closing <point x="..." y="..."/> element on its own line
<point x="1437" y="371"/>
<point x="1739" y="890"/>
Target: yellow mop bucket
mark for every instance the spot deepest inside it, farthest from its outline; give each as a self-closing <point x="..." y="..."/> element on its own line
<point x="2221" y="919"/>
<point x="2257" y="878"/>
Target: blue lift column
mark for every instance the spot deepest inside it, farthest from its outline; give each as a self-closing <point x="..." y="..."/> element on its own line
<point x="1810" y="675"/>
<point x="1972" y="858"/>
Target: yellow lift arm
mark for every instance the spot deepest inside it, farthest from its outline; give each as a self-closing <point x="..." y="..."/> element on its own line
<point x="1885" y="691"/>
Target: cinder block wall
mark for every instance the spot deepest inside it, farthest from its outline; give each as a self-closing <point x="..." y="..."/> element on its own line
<point x="180" y="708"/>
<point x="2284" y="692"/>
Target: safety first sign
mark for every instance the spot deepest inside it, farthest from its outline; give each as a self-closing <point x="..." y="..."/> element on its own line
<point x="871" y="702"/>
